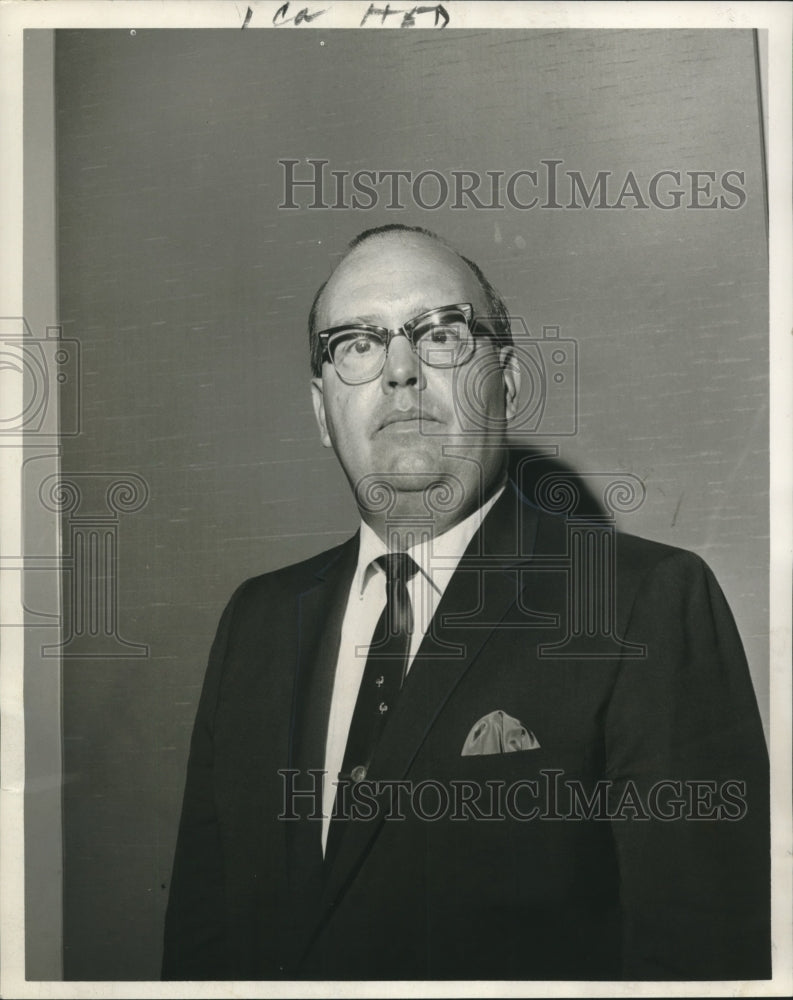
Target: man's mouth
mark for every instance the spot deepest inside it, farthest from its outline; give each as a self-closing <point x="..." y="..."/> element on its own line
<point x="406" y="419"/>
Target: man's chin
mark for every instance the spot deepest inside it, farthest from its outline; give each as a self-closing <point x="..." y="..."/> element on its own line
<point x="410" y="469"/>
<point x="407" y="471"/>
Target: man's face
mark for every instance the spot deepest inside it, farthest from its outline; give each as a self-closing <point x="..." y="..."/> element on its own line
<point x="394" y="428"/>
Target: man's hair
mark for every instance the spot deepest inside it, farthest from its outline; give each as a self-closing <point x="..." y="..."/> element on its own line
<point x="497" y="315"/>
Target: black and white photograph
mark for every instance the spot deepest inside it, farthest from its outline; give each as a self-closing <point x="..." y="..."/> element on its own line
<point x="396" y="548"/>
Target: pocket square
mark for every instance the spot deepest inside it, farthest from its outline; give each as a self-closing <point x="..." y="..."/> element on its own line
<point x="498" y="732"/>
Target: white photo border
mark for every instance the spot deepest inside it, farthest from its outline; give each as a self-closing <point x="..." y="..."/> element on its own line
<point x="15" y="17"/>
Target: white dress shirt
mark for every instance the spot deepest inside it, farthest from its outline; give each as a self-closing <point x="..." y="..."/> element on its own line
<point x="437" y="559"/>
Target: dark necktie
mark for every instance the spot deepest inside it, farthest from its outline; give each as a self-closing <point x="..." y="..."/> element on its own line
<point x="383" y="677"/>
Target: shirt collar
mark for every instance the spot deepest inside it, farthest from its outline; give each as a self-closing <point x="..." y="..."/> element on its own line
<point x="436" y="557"/>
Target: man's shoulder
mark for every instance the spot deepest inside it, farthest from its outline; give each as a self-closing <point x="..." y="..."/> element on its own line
<point x="635" y="557"/>
<point x="540" y="529"/>
<point x="631" y="547"/>
<point x="666" y="574"/>
<point x="640" y="552"/>
<point x="297" y="577"/>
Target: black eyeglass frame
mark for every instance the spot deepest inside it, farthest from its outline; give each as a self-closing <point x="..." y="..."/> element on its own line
<point x="407" y="330"/>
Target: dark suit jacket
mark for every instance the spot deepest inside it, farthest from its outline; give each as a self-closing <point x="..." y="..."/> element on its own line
<point x="659" y="692"/>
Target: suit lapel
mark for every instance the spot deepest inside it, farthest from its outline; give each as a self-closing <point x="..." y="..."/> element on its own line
<point x="320" y="614"/>
<point x="482" y="590"/>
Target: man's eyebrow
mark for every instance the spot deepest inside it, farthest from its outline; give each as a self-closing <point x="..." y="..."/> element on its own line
<point x="371" y="320"/>
<point x="354" y="321"/>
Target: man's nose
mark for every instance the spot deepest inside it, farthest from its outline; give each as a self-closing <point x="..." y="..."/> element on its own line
<point x="402" y="365"/>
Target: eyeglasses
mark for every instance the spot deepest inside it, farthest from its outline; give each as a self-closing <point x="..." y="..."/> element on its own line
<point x="441" y="338"/>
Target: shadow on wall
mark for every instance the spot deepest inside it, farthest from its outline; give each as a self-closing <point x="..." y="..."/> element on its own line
<point x="543" y="478"/>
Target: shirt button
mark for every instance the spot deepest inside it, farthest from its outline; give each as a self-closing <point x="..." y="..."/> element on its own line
<point x="358" y="773"/>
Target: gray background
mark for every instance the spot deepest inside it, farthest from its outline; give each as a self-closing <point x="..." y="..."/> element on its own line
<point x="188" y="291"/>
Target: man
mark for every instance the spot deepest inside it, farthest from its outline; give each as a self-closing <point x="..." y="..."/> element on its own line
<point x="505" y="794"/>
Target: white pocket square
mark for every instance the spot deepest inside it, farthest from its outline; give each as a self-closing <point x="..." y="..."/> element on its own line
<point x="498" y="732"/>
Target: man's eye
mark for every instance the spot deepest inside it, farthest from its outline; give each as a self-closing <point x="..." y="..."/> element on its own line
<point x="443" y="335"/>
<point x="354" y="347"/>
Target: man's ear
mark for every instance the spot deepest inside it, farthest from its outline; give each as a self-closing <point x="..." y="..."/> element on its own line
<point x="510" y="370"/>
<point x="318" y="399"/>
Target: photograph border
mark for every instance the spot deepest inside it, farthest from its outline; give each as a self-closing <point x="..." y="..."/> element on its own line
<point x="16" y="16"/>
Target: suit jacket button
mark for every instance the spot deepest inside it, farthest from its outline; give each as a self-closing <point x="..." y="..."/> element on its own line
<point x="358" y="773"/>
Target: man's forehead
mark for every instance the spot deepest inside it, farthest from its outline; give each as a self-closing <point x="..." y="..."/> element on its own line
<point x="398" y="271"/>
